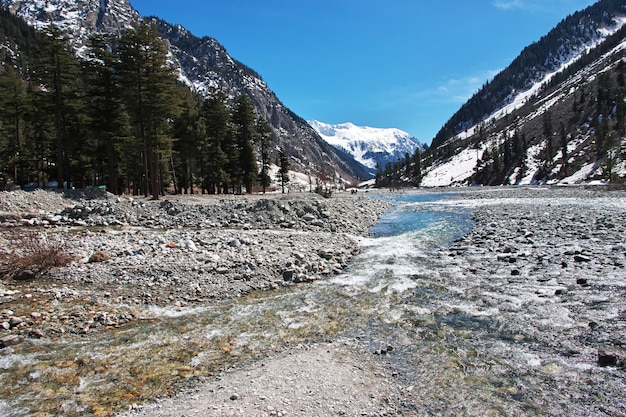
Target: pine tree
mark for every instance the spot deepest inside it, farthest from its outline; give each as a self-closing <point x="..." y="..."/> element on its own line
<point x="14" y="106"/>
<point x="110" y="122"/>
<point x="263" y="132"/>
<point x="378" y="182"/>
<point x="244" y="121"/>
<point x="547" y="134"/>
<point x="564" y="149"/>
<point x="189" y="130"/>
<point x="149" y="84"/>
<point x="283" y="168"/>
<point x="213" y="159"/>
<point x="417" y="167"/>
<point x="58" y="72"/>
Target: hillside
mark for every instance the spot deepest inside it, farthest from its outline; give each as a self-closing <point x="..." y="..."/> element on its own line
<point x="205" y="66"/>
<point x="555" y="115"/>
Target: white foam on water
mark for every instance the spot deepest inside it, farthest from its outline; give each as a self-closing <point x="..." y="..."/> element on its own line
<point x="173" y="312"/>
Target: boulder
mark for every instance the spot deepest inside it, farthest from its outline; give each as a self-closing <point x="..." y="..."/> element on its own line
<point x="25" y="275"/>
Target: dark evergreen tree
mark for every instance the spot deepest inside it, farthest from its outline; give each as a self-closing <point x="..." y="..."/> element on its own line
<point x="189" y="131"/>
<point x="263" y="132"/>
<point x="563" y="137"/>
<point x="547" y="134"/>
<point x="149" y="85"/>
<point x="110" y="121"/>
<point x="417" y="167"/>
<point x="213" y="169"/>
<point x="283" y="168"/>
<point x="14" y="106"/>
<point x="379" y="175"/>
<point x="58" y="72"/>
<point x="244" y="120"/>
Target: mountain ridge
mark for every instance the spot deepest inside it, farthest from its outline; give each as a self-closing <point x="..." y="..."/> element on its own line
<point x="565" y="124"/>
<point x="569" y="39"/>
<point x="205" y="65"/>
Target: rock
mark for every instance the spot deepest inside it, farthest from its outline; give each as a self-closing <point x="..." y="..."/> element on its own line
<point x="15" y="321"/>
<point x="10" y="340"/>
<point x="607" y="359"/>
<point x="288" y="274"/>
<point x="99" y="256"/>
<point x="582" y="258"/>
<point x="190" y="245"/>
<point x="581" y="281"/>
<point x="309" y="217"/>
<point x="317" y="223"/>
<point x="5" y="325"/>
<point x="234" y="397"/>
<point x="36" y="334"/>
<point x="325" y="254"/>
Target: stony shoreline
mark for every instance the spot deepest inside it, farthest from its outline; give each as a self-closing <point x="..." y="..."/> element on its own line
<point x="176" y="252"/>
<point x="553" y="262"/>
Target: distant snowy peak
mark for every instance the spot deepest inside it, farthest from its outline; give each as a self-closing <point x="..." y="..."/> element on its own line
<point x="368" y="145"/>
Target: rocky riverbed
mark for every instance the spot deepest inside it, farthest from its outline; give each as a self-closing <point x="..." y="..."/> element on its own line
<point x="171" y="253"/>
<point x="525" y="315"/>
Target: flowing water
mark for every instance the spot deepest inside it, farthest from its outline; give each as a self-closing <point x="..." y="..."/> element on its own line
<point x="400" y="296"/>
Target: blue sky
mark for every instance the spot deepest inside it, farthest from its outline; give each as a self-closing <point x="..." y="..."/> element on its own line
<point x="408" y="64"/>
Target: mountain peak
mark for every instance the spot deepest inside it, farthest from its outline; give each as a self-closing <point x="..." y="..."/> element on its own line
<point x="79" y="18"/>
<point x="370" y="146"/>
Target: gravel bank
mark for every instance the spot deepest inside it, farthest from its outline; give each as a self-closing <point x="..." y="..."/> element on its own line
<point x="171" y="253"/>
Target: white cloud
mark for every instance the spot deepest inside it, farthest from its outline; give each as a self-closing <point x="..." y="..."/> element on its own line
<point x="459" y="90"/>
<point x="511" y="4"/>
<point x="549" y="6"/>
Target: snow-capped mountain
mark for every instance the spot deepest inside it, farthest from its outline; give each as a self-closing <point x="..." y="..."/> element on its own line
<point x="370" y="146"/>
<point x="204" y="64"/>
<point x="555" y="115"/>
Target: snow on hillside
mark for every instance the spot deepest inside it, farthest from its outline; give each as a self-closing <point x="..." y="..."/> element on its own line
<point x="522" y="97"/>
<point x="458" y="169"/>
<point x="368" y="145"/>
<point x="454" y="171"/>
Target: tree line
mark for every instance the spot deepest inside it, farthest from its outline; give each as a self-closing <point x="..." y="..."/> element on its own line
<point x="119" y="118"/>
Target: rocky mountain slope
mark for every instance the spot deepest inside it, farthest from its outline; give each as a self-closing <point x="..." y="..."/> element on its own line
<point x="204" y="65"/>
<point x="555" y="115"/>
<point x="370" y="146"/>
